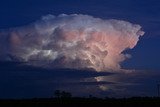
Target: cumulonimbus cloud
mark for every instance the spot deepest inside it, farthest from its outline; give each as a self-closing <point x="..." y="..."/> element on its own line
<point x="71" y="41"/>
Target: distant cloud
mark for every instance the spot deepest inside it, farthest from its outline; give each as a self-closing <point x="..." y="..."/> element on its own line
<point x="71" y="41"/>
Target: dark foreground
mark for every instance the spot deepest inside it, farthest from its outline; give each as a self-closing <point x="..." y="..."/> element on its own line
<point x="83" y="102"/>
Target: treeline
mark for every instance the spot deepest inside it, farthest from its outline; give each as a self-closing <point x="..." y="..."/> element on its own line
<point x="82" y="102"/>
<point x="65" y="99"/>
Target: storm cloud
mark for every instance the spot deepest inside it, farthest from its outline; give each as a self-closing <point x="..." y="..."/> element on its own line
<point x="71" y="41"/>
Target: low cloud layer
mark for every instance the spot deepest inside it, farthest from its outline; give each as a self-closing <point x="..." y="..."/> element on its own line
<point x="71" y="41"/>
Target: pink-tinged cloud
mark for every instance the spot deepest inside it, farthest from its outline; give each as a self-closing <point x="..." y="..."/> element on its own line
<point x="71" y="41"/>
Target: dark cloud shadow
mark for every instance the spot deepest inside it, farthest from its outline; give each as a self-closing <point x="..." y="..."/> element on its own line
<point x="20" y="81"/>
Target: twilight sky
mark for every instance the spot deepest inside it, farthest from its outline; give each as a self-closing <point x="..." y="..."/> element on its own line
<point x="137" y="76"/>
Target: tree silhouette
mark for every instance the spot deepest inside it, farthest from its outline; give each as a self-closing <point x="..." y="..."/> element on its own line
<point x="62" y="94"/>
<point x="57" y="93"/>
<point x="66" y="94"/>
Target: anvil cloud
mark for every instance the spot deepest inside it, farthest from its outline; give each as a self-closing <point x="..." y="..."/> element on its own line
<point x="71" y="41"/>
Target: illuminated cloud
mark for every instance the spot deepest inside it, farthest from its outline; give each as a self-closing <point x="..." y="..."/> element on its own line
<point x="71" y="41"/>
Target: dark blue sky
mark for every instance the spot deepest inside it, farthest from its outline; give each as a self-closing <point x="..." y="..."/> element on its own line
<point x="145" y="56"/>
